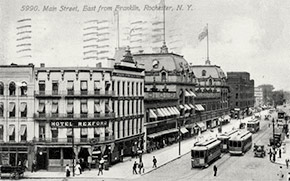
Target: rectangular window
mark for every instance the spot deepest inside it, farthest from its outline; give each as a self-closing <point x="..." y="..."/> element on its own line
<point x="123" y="88"/>
<point x="141" y="88"/>
<point x="41" y="86"/>
<point x="84" y="87"/>
<point x="113" y="85"/>
<point x="137" y="87"/>
<point x="118" y="88"/>
<point x="54" y="134"/>
<point x="124" y="125"/>
<point x="128" y="127"/>
<point x="1" y="132"/>
<point x="123" y="107"/>
<point x="237" y="95"/>
<point x="132" y="107"/>
<point x="128" y="89"/>
<point x="69" y="135"/>
<point x="97" y="87"/>
<point x="97" y="134"/>
<point x="41" y="109"/>
<point x="107" y="86"/>
<point x="141" y="106"/>
<point x="118" y="129"/>
<point x="70" y="108"/>
<point x="23" y="132"/>
<point x="70" y="87"/>
<point x="132" y="86"/>
<point x="137" y="124"/>
<point x="11" y="109"/>
<point x="23" y="109"/>
<point x="11" y="133"/>
<point x="41" y="132"/>
<point x="1" y="109"/>
<point x="1" y="89"/>
<point x="128" y="107"/>
<point x="113" y="106"/>
<point x="84" y="108"/>
<point x="84" y="134"/>
<point x="54" y="109"/>
<point x="54" y="87"/>
<point x="133" y="126"/>
<point x="54" y="153"/>
<point x="98" y="108"/>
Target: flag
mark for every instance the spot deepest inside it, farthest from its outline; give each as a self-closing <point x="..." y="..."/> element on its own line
<point x="203" y="34"/>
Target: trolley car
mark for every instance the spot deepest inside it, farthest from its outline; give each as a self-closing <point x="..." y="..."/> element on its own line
<point x="240" y="143"/>
<point x="205" y="152"/>
<point x="253" y="125"/>
<point x="224" y="138"/>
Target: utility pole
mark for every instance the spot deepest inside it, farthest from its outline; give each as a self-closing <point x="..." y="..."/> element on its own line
<point x="274" y="133"/>
<point x="73" y="146"/>
<point x="179" y="142"/>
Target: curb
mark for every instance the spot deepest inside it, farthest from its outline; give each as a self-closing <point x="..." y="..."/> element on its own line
<point x="165" y="163"/>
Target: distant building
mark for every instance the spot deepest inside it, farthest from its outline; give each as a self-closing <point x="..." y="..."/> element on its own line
<point x="169" y="98"/>
<point x="267" y="93"/>
<point x="212" y="95"/>
<point x="241" y="93"/>
<point x="258" y="96"/>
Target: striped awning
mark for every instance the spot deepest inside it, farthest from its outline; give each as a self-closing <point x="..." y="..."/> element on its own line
<point x="187" y="107"/>
<point x="199" y="107"/>
<point x="152" y="114"/>
<point x="160" y="113"/>
<point x="192" y="106"/>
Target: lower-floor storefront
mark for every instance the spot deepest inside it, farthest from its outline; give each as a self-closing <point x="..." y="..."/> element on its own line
<point x="16" y="154"/>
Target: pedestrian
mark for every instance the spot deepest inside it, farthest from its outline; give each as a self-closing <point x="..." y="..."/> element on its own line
<point x="33" y="167"/>
<point x="135" y="167"/>
<point x="215" y="170"/>
<point x="280" y="173"/>
<point x="280" y="152"/>
<point x="67" y="170"/>
<point x="271" y="154"/>
<point x="287" y="162"/>
<point x="100" y="169"/>
<point x="78" y="169"/>
<point x="154" y="162"/>
<point x="141" y="166"/>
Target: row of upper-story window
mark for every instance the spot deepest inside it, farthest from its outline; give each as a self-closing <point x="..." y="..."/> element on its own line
<point x="11" y="132"/>
<point x="127" y="88"/>
<point x="128" y="127"/>
<point x="127" y="107"/>
<point x="12" y="88"/>
<point x="12" y="110"/>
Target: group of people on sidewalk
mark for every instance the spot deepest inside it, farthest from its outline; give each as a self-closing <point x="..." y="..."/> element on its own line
<point x="141" y="166"/>
<point x="78" y="168"/>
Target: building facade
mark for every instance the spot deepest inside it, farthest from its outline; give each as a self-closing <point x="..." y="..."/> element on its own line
<point x="241" y="93"/>
<point x="258" y="97"/>
<point x="169" y="98"/>
<point x="212" y="94"/>
<point x="56" y="114"/>
<point x="16" y="114"/>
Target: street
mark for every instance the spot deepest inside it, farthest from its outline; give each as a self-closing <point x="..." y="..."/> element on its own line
<point x="245" y="167"/>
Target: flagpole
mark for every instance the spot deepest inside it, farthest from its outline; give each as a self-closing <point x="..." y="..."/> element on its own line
<point x="207" y="43"/>
<point x="164" y="21"/>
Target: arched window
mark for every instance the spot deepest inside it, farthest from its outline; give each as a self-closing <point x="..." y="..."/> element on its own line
<point x="1" y="88"/>
<point x="203" y="72"/>
<point x="163" y="77"/>
<point x="12" y="89"/>
<point x="210" y="81"/>
<point x="23" y="89"/>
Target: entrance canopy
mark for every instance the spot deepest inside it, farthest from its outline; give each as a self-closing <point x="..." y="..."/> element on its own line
<point x="163" y="133"/>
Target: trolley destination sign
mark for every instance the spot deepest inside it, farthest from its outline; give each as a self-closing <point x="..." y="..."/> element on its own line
<point x="77" y="124"/>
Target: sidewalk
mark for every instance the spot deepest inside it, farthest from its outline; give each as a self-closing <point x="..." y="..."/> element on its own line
<point x="123" y="170"/>
<point x="285" y="154"/>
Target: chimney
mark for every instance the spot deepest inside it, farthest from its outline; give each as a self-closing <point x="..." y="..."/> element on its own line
<point x="42" y="65"/>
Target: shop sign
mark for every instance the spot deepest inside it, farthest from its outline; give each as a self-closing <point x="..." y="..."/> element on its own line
<point x="77" y="124"/>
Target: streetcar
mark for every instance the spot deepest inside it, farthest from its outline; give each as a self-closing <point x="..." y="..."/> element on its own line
<point x="253" y="125"/>
<point x="205" y="152"/>
<point x="281" y="118"/>
<point x="224" y="138"/>
<point x="240" y="143"/>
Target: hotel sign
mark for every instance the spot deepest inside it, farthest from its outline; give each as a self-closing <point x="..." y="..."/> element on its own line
<point x="78" y="124"/>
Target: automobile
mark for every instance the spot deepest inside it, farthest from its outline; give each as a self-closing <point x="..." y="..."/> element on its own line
<point x="259" y="151"/>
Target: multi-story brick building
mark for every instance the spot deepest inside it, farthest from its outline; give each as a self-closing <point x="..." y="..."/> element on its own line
<point x="169" y="98"/>
<point x="211" y="95"/>
<point x="16" y="113"/>
<point x="258" y="96"/>
<point x="241" y="93"/>
<point x="71" y="112"/>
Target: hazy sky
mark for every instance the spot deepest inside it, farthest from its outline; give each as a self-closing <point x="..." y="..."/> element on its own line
<point x="245" y="35"/>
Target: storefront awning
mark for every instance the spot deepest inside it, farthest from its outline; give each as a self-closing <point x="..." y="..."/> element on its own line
<point x="152" y="114"/>
<point x="167" y="113"/>
<point x="181" y="106"/>
<point x="176" y="110"/>
<point x="201" y="125"/>
<point x="187" y="94"/>
<point x="23" y="129"/>
<point x="174" y="130"/>
<point x="183" y="130"/>
<point x="199" y="107"/>
<point x="187" y="107"/>
<point x="227" y="117"/>
<point x="192" y="94"/>
<point x="192" y="106"/>
<point x="160" y="113"/>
